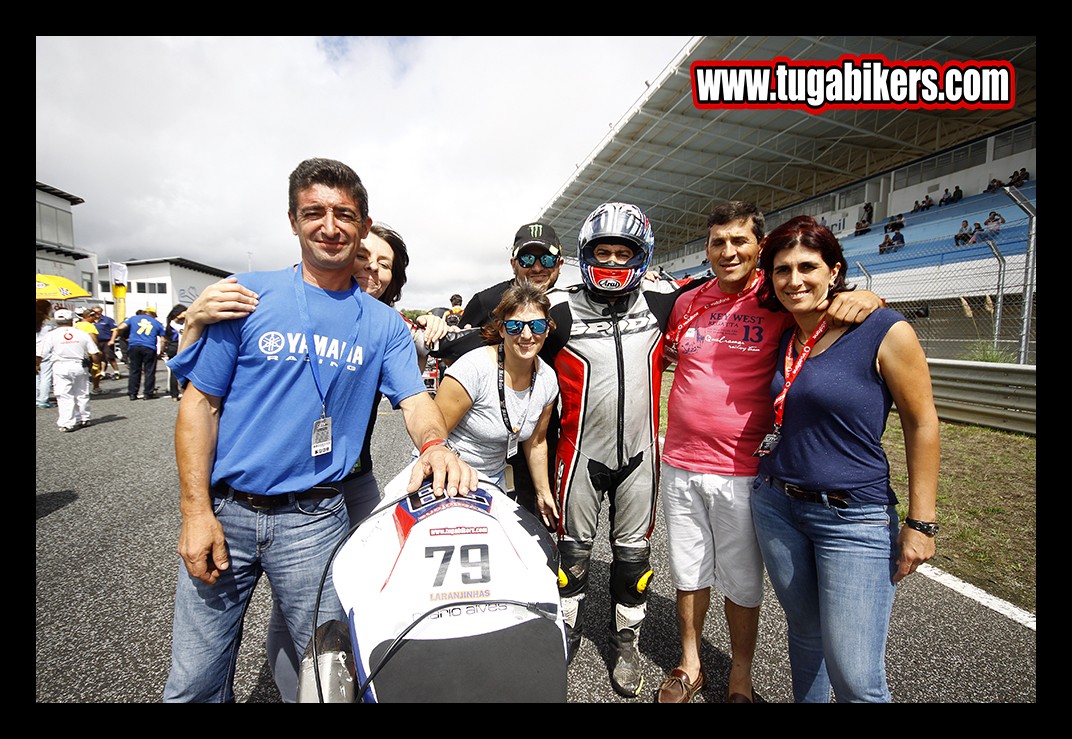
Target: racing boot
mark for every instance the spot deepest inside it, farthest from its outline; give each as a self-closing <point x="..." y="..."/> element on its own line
<point x="572" y="610"/>
<point x="573" y="642"/>
<point x="625" y="675"/>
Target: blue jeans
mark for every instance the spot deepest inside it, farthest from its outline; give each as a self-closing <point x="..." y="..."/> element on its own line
<point x="362" y="497"/>
<point x="831" y="569"/>
<point x="291" y="544"/>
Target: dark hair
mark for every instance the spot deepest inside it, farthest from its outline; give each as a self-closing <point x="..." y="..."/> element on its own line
<point x="738" y="210"/>
<point x="175" y="312"/>
<point x="330" y="173"/>
<point x="799" y="231"/>
<point x="398" y="268"/>
<point x="44" y="309"/>
<point x="171" y="334"/>
<point x="516" y="296"/>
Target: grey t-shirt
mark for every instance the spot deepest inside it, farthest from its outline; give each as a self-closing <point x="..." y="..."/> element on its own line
<point x="481" y="436"/>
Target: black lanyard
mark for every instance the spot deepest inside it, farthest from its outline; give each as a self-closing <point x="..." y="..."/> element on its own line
<point x="502" y="391"/>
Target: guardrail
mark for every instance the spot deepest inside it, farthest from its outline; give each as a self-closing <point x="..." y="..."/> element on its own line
<point x="991" y="394"/>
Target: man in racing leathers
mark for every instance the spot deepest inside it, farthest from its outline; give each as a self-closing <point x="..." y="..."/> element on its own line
<point x="607" y="350"/>
<point x="606" y="347"/>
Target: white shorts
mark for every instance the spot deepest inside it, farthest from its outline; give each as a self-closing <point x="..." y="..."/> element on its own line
<point x="710" y="535"/>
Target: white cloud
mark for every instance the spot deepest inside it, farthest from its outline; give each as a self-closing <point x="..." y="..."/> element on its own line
<point x="181" y="146"/>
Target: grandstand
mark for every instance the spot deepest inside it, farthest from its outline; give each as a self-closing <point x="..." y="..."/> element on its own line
<point x="964" y="301"/>
<point x="957" y="297"/>
<point x="676" y="160"/>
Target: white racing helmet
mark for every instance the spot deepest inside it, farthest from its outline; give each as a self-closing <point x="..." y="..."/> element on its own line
<point x="620" y="223"/>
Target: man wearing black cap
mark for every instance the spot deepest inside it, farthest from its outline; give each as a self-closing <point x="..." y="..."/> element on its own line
<point x="536" y="257"/>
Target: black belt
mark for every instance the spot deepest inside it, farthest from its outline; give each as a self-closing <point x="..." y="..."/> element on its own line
<point x="256" y="500"/>
<point x="836" y="498"/>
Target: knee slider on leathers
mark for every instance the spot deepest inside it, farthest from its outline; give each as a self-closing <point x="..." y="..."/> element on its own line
<point x="574" y="565"/>
<point x="630" y="575"/>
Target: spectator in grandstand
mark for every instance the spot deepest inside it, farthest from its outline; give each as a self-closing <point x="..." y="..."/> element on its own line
<point x="1019" y="177"/>
<point x="823" y="504"/>
<point x="947" y="197"/>
<point x="963" y="236"/>
<point x="927" y="203"/>
<point x="995" y="185"/>
<point x="993" y="223"/>
<point x="886" y="244"/>
<point x="896" y="223"/>
<point x="916" y="207"/>
<point x="957" y="193"/>
<point x="896" y="241"/>
<point x="869" y="213"/>
<point x="976" y="233"/>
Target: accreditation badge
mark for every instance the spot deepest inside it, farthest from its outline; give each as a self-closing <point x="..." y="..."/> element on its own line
<point x="769" y="442"/>
<point x="322" y="436"/>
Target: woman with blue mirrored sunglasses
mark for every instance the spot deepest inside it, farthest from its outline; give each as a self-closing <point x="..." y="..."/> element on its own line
<point x="514" y="327"/>
<point x="497" y="399"/>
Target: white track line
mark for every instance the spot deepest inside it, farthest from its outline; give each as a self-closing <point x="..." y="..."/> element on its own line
<point x="968" y="590"/>
<point x="980" y="596"/>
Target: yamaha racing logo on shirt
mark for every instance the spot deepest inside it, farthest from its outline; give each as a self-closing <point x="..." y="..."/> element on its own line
<point x="291" y="347"/>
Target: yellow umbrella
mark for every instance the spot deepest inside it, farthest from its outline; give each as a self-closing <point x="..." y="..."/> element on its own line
<point x="54" y="287"/>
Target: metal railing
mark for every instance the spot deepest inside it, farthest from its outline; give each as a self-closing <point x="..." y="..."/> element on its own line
<point x="991" y="394"/>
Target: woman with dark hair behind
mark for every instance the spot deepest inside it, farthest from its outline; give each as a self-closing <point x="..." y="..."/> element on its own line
<point x="172" y="335"/>
<point x="822" y="503"/>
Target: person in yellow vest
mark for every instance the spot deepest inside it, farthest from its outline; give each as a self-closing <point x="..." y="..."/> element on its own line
<point x="453" y="316"/>
<point x="87" y="317"/>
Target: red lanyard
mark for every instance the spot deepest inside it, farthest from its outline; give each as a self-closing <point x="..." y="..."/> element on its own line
<point x="792" y="369"/>
<point x="674" y="334"/>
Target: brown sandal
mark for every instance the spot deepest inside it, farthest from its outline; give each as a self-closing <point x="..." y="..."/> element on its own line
<point x="677" y="689"/>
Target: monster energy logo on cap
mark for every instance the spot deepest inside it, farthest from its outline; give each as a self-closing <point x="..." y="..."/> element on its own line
<point x="537" y="234"/>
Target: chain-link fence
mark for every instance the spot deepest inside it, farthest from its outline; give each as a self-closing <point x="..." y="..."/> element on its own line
<point x="972" y="301"/>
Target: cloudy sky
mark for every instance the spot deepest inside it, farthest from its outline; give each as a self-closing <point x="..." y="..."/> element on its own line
<point x="182" y="146"/>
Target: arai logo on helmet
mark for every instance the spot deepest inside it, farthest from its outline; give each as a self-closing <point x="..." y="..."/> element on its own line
<point x="609" y="283"/>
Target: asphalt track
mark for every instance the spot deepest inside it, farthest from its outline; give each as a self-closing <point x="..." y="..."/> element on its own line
<point x="107" y="525"/>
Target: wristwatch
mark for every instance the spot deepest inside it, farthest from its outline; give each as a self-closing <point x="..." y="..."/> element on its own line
<point x="930" y="528"/>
